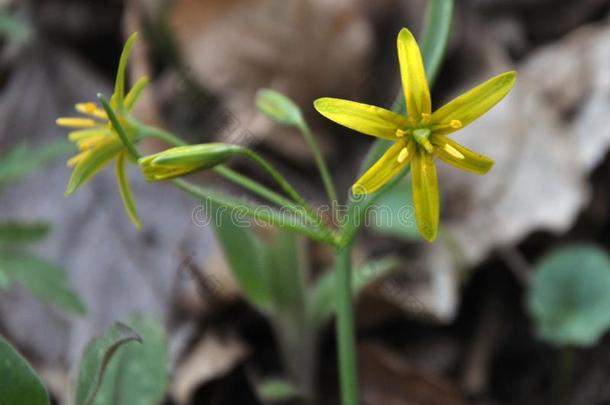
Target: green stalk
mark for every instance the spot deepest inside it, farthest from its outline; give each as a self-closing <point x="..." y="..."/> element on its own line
<point x="268" y="216"/>
<point x="131" y="148"/>
<point x="345" y="329"/>
<point x="329" y="185"/>
<point x="288" y="189"/>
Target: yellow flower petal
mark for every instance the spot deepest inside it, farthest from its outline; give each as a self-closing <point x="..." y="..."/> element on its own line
<point x="76" y="122"/>
<point x="425" y="194"/>
<point x="413" y="74"/>
<point x="368" y="119"/>
<point x="76" y="136"/>
<point x="458" y="156"/>
<point x="470" y="106"/>
<point x="389" y="165"/>
<point x="125" y="190"/>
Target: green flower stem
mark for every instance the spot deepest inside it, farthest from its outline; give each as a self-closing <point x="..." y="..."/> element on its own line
<point x="288" y="189"/>
<point x="260" y="190"/>
<point x="268" y="216"/>
<point x="329" y="185"/>
<point x="563" y="378"/>
<point x="229" y="174"/>
<point x="345" y="329"/>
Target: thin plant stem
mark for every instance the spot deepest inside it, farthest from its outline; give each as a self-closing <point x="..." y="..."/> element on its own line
<point x="131" y="149"/>
<point x="227" y="173"/>
<point x="268" y="216"/>
<point x="563" y="378"/>
<point x="327" y="180"/>
<point x="345" y="329"/>
<point x="288" y="189"/>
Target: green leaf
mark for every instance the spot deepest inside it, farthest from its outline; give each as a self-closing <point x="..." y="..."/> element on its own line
<point x="322" y="303"/>
<point x="17" y="232"/>
<point x="393" y="214"/>
<point x="244" y="252"/>
<point x="437" y="27"/>
<point x="279" y="108"/>
<point x="44" y="280"/>
<point x="96" y="356"/>
<point x="23" y="160"/>
<point x="286" y="274"/>
<point x="137" y="374"/>
<point x="276" y="390"/>
<point x="19" y="383"/>
<point x="569" y="298"/>
<point x="14" y="27"/>
<point x="5" y="281"/>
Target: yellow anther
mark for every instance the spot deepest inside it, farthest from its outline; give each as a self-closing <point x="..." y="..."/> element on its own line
<point x="86" y="108"/>
<point x="91" y="109"/>
<point x="425" y="118"/>
<point x="453" y="152"/>
<point x="403" y="155"/>
<point x="456" y="124"/>
<point x="400" y="133"/>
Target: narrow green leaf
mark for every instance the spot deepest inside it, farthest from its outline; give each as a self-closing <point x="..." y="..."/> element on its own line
<point x="244" y="252"/>
<point x="5" y="281"/>
<point x="23" y="160"/>
<point x="437" y="27"/>
<point x="276" y="390"/>
<point x="44" y="280"/>
<point x="96" y="356"/>
<point x="19" y="383"/>
<point x="322" y="302"/>
<point x="17" y="232"/>
<point x="138" y="374"/>
<point x="286" y="275"/>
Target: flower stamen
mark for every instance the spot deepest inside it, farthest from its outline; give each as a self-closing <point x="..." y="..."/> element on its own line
<point x="403" y="155"/>
<point x="425" y="118"/>
<point x="453" y="152"/>
<point x="91" y="109"/>
<point x="400" y="133"/>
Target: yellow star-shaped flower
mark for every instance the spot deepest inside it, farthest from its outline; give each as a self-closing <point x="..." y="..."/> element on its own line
<point x="421" y="135"/>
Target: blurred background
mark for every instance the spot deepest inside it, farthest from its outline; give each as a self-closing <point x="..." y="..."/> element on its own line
<point x="460" y="321"/>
